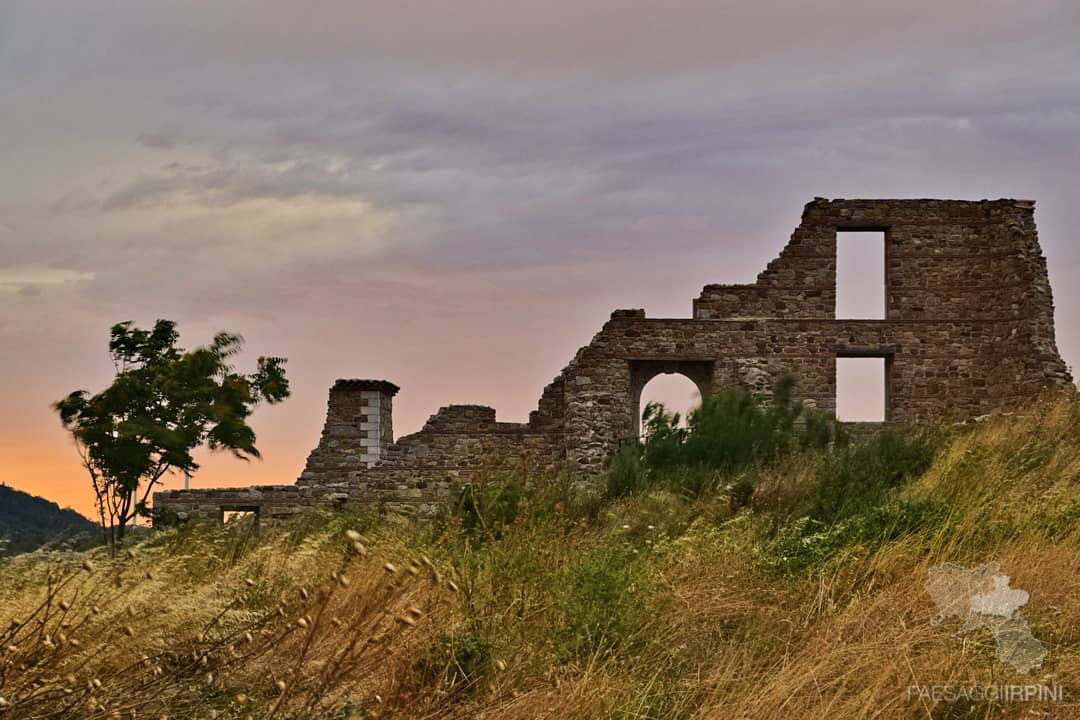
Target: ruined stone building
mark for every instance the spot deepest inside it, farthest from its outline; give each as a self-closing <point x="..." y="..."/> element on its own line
<point x="968" y="327"/>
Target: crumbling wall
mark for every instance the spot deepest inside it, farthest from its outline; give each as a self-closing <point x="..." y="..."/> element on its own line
<point x="968" y="328"/>
<point x="358" y="430"/>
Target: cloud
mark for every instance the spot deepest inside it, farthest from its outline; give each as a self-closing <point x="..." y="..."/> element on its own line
<point x="30" y="280"/>
<point x="160" y="140"/>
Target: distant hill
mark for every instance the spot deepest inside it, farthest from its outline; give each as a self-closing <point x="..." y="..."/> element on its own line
<point x="28" y="522"/>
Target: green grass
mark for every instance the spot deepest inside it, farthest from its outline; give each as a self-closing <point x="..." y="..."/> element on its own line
<point x="782" y="578"/>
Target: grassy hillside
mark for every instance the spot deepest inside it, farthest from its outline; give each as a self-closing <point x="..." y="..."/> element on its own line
<point x="780" y="582"/>
<point x="28" y="522"/>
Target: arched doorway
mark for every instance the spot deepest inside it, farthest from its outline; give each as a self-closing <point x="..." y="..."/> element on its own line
<point x="690" y="381"/>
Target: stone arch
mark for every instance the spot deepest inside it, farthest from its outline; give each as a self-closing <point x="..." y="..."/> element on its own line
<point x="699" y="372"/>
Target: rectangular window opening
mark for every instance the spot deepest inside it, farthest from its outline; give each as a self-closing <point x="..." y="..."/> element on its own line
<point x="860" y="275"/>
<point x="860" y="389"/>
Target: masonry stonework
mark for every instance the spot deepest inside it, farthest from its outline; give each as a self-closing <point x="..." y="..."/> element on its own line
<point x="968" y="329"/>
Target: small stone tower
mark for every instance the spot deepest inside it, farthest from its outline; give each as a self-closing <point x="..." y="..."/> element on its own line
<point x="359" y="429"/>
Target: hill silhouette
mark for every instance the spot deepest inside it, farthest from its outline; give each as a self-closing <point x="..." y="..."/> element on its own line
<point x="28" y="522"/>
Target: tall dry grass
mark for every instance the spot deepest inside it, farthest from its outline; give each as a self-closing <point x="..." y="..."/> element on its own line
<point x="657" y="605"/>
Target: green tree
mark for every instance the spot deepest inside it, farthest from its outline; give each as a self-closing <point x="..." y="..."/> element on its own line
<point x="163" y="403"/>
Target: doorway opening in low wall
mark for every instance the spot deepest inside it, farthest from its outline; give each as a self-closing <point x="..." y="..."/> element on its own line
<point x="233" y="515"/>
<point x="862" y="389"/>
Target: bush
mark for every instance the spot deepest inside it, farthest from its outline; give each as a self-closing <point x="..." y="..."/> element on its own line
<point x="726" y="435"/>
<point x="733" y="429"/>
<point x="603" y="603"/>
<point x="486" y="508"/>
<point x="808" y="543"/>
<point x="853" y="501"/>
<point x="855" y="479"/>
<point x="625" y="473"/>
<point x="455" y="663"/>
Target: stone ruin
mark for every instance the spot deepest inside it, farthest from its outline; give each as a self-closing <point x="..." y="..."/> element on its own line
<point x="968" y="328"/>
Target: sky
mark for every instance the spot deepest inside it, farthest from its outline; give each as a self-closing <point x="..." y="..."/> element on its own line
<point x="454" y="195"/>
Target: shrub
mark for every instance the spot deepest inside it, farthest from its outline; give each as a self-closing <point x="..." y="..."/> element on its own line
<point x="455" y="663"/>
<point x="664" y="439"/>
<point x="852" y="501"/>
<point x="807" y="543"/>
<point x="727" y="434"/>
<point x="625" y="473"/>
<point x="855" y="479"/>
<point x="603" y="604"/>
<point x="487" y="507"/>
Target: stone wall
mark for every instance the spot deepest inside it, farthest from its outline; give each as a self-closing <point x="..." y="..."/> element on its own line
<point x="968" y="328"/>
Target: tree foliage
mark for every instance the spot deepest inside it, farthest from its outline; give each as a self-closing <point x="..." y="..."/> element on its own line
<point x="163" y="403"/>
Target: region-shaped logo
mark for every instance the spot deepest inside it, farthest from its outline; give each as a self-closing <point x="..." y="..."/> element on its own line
<point x="982" y="598"/>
